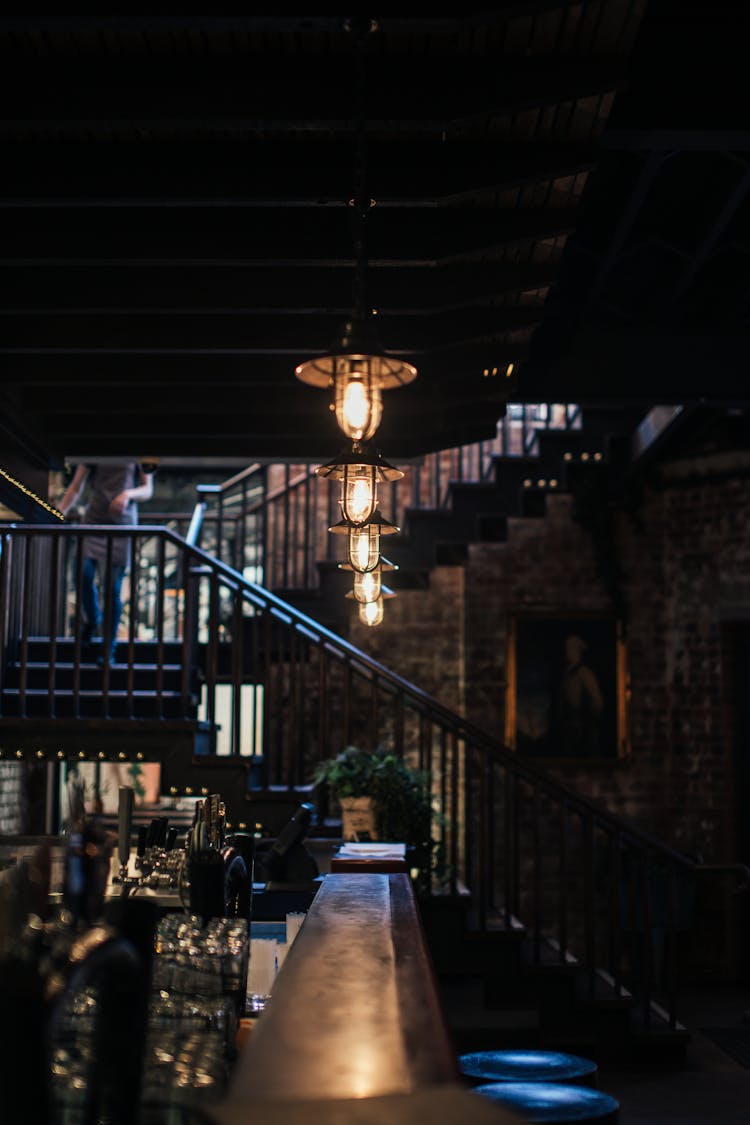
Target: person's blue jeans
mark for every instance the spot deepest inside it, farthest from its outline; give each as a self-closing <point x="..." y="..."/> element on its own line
<point x="92" y="609"/>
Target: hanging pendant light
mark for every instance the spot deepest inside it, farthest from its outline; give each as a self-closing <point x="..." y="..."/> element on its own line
<point x="358" y="371"/>
<point x="363" y="547"/>
<point x="371" y="613"/>
<point x="360" y="471"/>
<point x="367" y="584"/>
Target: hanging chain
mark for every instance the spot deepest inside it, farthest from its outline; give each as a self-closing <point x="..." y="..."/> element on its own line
<point x="360" y="28"/>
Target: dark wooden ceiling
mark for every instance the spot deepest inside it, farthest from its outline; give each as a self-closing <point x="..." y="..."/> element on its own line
<point x="558" y="186"/>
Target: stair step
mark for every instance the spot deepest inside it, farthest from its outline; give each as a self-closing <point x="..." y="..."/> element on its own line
<point x="93" y="703"/>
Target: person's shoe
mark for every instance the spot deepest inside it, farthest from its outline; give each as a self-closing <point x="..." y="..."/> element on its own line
<point x="106" y="657"/>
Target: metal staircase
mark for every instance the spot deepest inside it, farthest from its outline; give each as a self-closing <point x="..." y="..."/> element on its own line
<point x="274" y="691"/>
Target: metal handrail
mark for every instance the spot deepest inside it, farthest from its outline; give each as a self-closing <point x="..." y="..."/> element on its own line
<point x="525" y="844"/>
<point x="287" y="613"/>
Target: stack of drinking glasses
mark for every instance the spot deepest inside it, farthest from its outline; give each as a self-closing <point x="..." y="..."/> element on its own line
<point x="199" y="981"/>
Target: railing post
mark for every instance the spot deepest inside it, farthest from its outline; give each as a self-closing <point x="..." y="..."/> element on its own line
<point x="54" y="593"/>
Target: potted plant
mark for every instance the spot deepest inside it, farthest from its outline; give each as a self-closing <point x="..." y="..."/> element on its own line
<point x="381" y="796"/>
<point x="350" y="777"/>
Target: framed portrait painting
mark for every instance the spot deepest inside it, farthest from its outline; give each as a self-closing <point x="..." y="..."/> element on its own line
<point x="566" y="687"/>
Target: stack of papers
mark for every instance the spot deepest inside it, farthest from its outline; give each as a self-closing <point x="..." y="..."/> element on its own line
<point x="372" y="851"/>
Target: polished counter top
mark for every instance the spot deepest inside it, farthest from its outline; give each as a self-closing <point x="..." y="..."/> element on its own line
<point x="354" y="1024"/>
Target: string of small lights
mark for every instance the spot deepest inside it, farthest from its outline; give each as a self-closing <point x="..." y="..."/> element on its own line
<point x="32" y="495"/>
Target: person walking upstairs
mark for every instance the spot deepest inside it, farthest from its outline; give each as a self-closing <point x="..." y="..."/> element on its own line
<point x="114" y="491"/>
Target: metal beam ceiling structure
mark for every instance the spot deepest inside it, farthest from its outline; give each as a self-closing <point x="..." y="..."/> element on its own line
<point x="561" y="186"/>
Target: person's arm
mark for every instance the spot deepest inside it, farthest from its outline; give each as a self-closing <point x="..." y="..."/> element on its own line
<point x="144" y="490"/>
<point x="74" y="489"/>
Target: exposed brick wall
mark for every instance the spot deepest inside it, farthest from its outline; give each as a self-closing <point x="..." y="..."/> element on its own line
<point x="686" y="570"/>
<point x="684" y="558"/>
<point x="421" y="637"/>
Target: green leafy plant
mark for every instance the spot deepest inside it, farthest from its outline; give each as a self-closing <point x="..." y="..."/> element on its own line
<point x="401" y="798"/>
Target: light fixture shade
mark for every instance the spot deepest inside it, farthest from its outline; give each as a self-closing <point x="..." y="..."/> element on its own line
<point x="363" y="548"/>
<point x="384" y="526"/>
<point x="371" y="613"/>
<point x="357" y="344"/>
<point x="367" y="586"/>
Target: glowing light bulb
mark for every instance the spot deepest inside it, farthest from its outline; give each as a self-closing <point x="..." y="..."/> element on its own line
<point x="364" y="547"/>
<point x="371" y="613"/>
<point x="359" y="494"/>
<point x="358" y="403"/>
<point x="367" y="586"/>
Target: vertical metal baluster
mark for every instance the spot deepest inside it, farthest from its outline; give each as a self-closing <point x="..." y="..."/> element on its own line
<point x="670" y="947"/>
<point x="468" y="813"/>
<point x="562" y="921"/>
<point x="285" y="541"/>
<point x="220" y="527"/>
<point x="323" y="746"/>
<point x="238" y="638"/>
<point x="108" y="626"/>
<point x="280" y="758"/>
<point x="300" y="703"/>
<point x="646" y="945"/>
<point x="516" y="847"/>
<point x="347" y="701"/>
<point x="509" y="810"/>
<point x="374" y="705"/>
<point x="294" y="568"/>
<point x="189" y="627"/>
<point x="589" y="900"/>
<point x="242" y="535"/>
<point x="212" y="655"/>
<point x="135" y="579"/>
<point x="25" y="611"/>
<point x="262" y="573"/>
<point x="309" y="548"/>
<point x="454" y="801"/>
<point x="160" y="554"/>
<point x="5" y="580"/>
<point x="443" y="795"/>
<point x="485" y="814"/>
<point x="615" y="919"/>
<point x="537" y="853"/>
<point x="398" y="733"/>
<point x="78" y="625"/>
<point x="292" y="725"/>
<point x="491" y="803"/>
<point x="54" y="545"/>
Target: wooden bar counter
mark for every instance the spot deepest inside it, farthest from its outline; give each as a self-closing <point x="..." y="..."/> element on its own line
<point x="354" y="1032"/>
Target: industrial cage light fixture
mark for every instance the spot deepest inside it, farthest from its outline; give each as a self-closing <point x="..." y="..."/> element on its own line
<point x="357" y="370"/>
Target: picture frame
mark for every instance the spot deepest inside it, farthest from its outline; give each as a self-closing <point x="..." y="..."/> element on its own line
<point x="567" y="686"/>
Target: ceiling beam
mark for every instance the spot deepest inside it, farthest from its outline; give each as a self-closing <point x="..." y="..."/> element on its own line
<point x="271" y="174"/>
<point x="269" y="285"/>
<point x="263" y="332"/>
<point x="411" y="234"/>
<point x="261" y="93"/>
